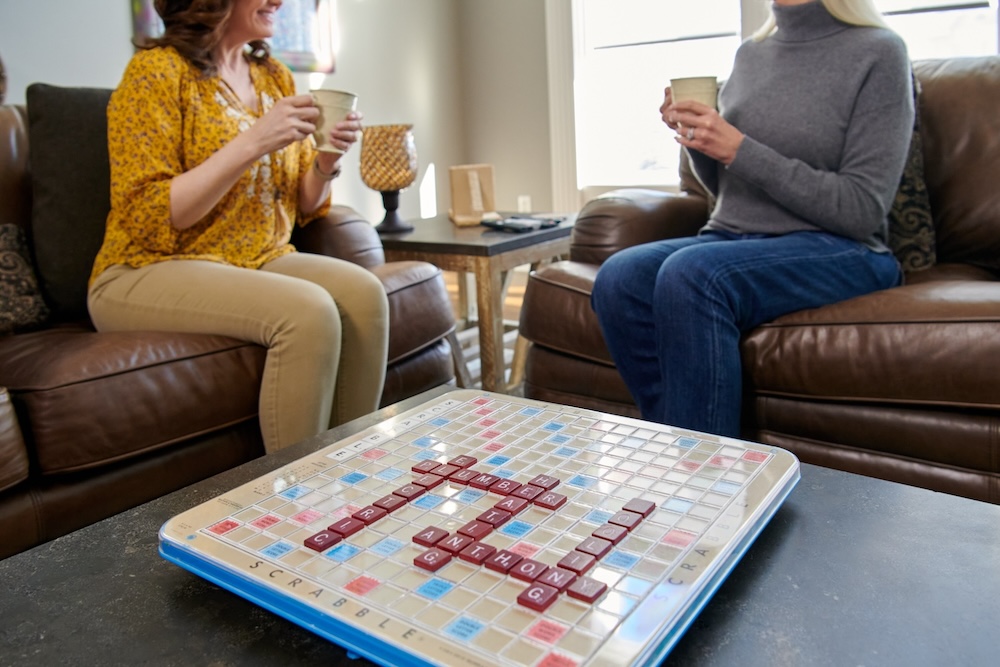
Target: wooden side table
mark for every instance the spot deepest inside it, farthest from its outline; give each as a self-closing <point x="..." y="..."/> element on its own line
<point x="488" y="255"/>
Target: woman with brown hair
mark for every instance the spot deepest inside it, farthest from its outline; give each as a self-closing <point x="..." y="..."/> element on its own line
<point x="212" y="162"/>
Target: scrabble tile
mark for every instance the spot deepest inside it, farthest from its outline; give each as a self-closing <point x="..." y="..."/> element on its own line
<point x="410" y="491"/>
<point x="627" y="520"/>
<point x="528" y="569"/>
<point x="463" y="461"/>
<point x="369" y="515"/>
<point x="494" y="517"/>
<point x="504" y="487"/>
<point x="550" y="500"/>
<point x="432" y="559"/>
<point x="586" y="589"/>
<point x="454" y="543"/>
<point x="557" y="578"/>
<point x="528" y="492"/>
<point x="476" y="529"/>
<point x="323" y="540"/>
<point x="425" y="467"/>
<point x="502" y="561"/>
<point x="428" y="537"/>
<point x="611" y="533"/>
<point x="390" y="503"/>
<point x="477" y="552"/>
<point x="538" y="597"/>
<point x="545" y="482"/>
<point x="577" y="561"/>
<point x="643" y="507"/>
<point x="512" y="504"/>
<point x="346" y="527"/>
<point x="594" y="546"/>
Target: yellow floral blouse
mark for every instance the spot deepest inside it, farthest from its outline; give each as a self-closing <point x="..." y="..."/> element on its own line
<point x="165" y="118"/>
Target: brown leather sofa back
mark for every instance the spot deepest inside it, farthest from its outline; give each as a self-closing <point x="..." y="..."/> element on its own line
<point x="959" y="107"/>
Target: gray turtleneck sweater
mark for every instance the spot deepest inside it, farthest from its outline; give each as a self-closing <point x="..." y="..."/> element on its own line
<point x="827" y="113"/>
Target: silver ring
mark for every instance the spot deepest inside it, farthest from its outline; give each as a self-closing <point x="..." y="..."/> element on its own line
<point x="690" y="134"/>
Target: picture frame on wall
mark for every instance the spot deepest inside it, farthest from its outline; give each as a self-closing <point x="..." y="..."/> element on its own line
<point x="304" y="37"/>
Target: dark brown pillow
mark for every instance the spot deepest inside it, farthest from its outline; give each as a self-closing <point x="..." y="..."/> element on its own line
<point x="71" y="190"/>
<point x="21" y="304"/>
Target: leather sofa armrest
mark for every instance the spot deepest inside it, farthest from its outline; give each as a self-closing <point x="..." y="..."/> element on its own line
<point x="626" y="217"/>
<point x="344" y="234"/>
<point x="13" y="454"/>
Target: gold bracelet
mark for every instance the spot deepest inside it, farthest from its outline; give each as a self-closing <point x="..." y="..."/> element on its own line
<point x="325" y="176"/>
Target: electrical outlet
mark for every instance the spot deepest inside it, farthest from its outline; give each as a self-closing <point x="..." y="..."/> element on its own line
<point x="524" y="203"/>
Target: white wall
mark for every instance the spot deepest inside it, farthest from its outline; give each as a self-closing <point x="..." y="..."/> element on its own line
<point x="402" y="57"/>
<point x="505" y="83"/>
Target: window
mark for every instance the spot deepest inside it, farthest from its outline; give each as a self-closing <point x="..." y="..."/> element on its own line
<point x="943" y="28"/>
<point x="625" y="53"/>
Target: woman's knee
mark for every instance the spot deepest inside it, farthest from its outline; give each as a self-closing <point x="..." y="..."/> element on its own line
<point x="311" y="312"/>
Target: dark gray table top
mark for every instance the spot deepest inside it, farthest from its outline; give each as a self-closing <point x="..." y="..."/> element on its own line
<point x="441" y="235"/>
<point x="850" y="571"/>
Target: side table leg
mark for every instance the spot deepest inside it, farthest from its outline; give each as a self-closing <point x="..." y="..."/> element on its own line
<point x="462" y="377"/>
<point x="488" y="288"/>
<point x="517" y="364"/>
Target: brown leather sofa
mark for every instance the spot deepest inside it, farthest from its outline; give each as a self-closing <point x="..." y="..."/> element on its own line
<point x="94" y="423"/>
<point x="903" y="384"/>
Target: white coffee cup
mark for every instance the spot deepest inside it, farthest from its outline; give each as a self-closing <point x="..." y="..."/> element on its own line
<point x="704" y="89"/>
<point x="334" y="105"/>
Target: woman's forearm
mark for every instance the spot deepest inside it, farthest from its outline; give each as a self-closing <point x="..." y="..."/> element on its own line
<point x="195" y="193"/>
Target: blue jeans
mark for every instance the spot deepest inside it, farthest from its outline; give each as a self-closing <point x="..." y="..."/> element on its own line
<point x="672" y="312"/>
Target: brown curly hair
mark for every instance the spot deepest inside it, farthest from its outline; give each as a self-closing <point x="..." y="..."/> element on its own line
<point x="195" y="27"/>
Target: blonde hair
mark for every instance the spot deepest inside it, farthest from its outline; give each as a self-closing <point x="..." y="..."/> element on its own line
<point x="854" y="12"/>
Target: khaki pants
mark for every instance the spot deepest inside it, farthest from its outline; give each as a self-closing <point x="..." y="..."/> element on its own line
<point x="324" y="322"/>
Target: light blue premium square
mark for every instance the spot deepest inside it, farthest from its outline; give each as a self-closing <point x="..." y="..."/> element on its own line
<point x="353" y="478"/>
<point x="343" y="552"/>
<point x="464" y="628"/>
<point x="295" y="492"/>
<point x="277" y="550"/>
<point x="435" y="589"/>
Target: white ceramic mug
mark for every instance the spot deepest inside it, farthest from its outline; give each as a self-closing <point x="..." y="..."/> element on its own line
<point x="334" y="105"/>
<point x="704" y="89"/>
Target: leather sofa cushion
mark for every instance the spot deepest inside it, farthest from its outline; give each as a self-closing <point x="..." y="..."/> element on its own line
<point x="920" y="344"/>
<point x="561" y="291"/>
<point x="70" y="180"/>
<point x="420" y="312"/>
<point x="13" y="455"/>
<point x="92" y="399"/>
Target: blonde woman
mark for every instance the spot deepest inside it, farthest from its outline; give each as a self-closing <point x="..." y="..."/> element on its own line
<point x="804" y="156"/>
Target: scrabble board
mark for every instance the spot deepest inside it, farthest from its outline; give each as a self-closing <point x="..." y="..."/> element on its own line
<point x="480" y="529"/>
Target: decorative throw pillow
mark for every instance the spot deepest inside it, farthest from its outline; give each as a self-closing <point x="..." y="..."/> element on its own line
<point x="21" y="303"/>
<point x="911" y="226"/>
